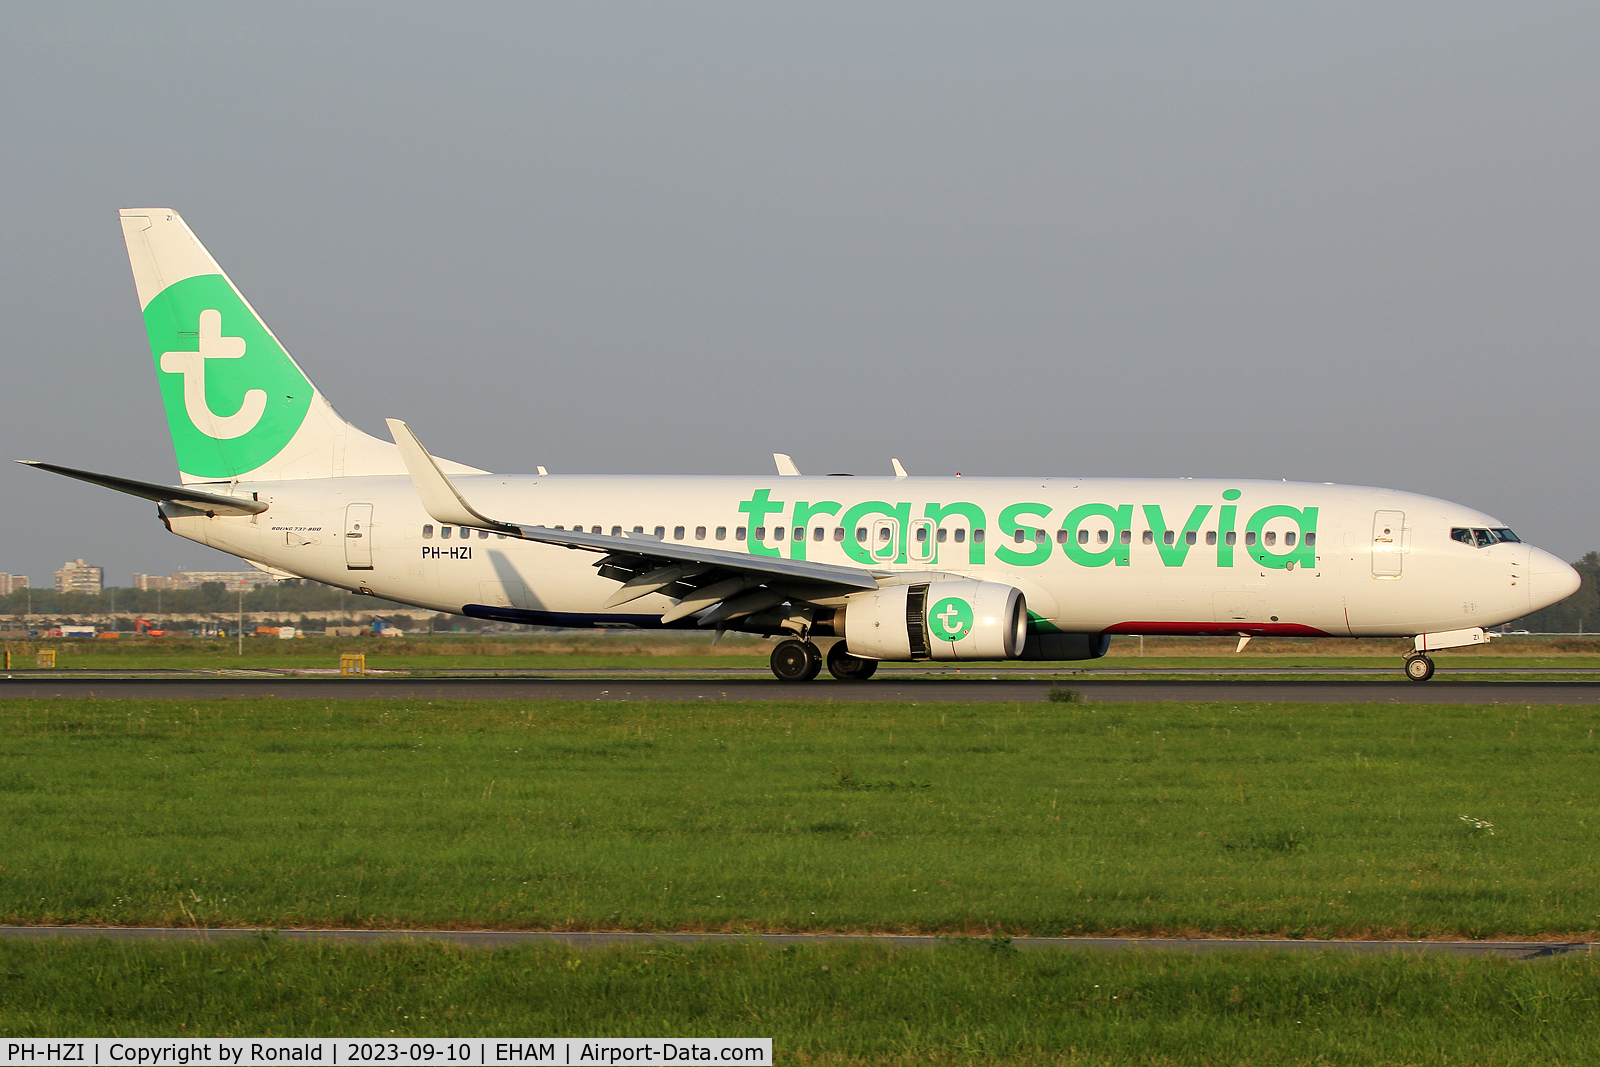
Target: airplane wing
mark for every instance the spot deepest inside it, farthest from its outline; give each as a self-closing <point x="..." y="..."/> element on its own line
<point x="732" y="584"/>
<point x="210" y="503"/>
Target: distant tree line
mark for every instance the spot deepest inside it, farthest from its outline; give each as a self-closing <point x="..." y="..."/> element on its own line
<point x="295" y="595"/>
<point x="1579" y="613"/>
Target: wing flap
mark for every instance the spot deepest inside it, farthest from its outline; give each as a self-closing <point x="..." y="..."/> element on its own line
<point x="644" y="564"/>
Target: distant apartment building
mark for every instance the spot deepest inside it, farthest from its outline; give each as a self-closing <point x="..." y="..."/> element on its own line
<point x="233" y="581"/>
<point x="10" y="583"/>
<point x="76" y="576"/>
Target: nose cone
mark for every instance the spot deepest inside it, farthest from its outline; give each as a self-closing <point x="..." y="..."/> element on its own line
<point x="1552" y="580"/>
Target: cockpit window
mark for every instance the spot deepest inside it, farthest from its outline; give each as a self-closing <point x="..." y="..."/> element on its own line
<point x="1503" y="534"/>
<point x="1462" y="534"/>
<point x="1484" y="537"/>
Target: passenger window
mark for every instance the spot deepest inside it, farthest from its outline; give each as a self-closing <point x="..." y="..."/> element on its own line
<point x="739" y="532"/>
<point x="444" y="532"/>
<point x="638" y="529"/>
<point x="1062" y="537"/>
<point x="819" y="533"/>
<point x="761" y="533"/>
<point x="699" y="533"/>
<point x="1249" y="537"/>
<point x="501" y="536"/>
<point x="922" y="535"/>
<point x="1127" y="537"/>
<point x="1270" y="537"/>
<point x="777" y="533"/>
<point x="838" y="533"/>
<point x="1288" y="537"/>
<point x="427" y="531"/>
<point x="961" y="535"/>
<point x="483" y="535"/>
<point x="1017" y="537"/>
<point x="1311" y="538"/>
<point x="977" y="537"/>
<point x="677" y="533"/>
<point x="1105" y="537"/>
<point x="1040" y="537"/>
<point x="1211" y="537"/>
<point x="1189" y="537"/>
<point x="861" y="535"/>
<point x="722" y="533"/>
<point x="1168" y="537"/>
<point x="941" y="535"/>
<point x="595" y="529"/>
<point x="883" y="535"/>
<point x="560" y="527"/>
<point x="616" y="531"/>
<point x="661" y="533"/>
<point x="1149" y="538"/>
<point x="799" y="533"/>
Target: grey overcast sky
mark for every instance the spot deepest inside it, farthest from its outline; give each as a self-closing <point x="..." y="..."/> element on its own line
<point x="1343" y="242"/>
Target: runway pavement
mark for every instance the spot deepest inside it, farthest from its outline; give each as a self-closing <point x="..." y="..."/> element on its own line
<point x="1520" y="950"/>
<point x="964" y="690"/>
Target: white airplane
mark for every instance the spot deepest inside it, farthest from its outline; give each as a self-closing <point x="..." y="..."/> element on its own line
<point x="901" y="568"/>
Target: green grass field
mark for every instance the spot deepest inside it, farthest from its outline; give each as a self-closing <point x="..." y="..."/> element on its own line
<point x="842" y="1004"/>
<point x="633" y="650"/>
<point x="1313" y="820"/>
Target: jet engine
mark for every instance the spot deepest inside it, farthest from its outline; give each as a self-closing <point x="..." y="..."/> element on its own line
<point x="960" y="620"/>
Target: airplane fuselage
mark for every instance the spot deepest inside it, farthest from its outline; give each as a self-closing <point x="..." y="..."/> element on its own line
<point x="1091" y="555"/>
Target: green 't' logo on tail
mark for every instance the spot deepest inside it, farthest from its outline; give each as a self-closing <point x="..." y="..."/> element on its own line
<point x="234" y="398"/>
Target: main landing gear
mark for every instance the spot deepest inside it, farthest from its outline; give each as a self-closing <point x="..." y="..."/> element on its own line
<point x="847" y="668"/>
<point x="794" y="660"/>
<point x="1419" y="668"/>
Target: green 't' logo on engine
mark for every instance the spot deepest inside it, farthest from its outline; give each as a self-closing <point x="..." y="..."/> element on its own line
<point x="234" y="398"/>
<point x="950" y="619"/>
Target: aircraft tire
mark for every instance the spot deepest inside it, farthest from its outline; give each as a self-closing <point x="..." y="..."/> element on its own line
<point x="847" y="668"/>
<point x="796" y="661"/>
<point x="1419" y="668"/>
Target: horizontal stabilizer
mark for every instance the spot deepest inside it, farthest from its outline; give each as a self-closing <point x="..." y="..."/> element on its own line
<point x="212" y="503"/>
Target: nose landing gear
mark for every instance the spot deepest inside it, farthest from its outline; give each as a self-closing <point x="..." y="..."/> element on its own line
<point x="1419" y="667"/>
<point x="796" y="661"/>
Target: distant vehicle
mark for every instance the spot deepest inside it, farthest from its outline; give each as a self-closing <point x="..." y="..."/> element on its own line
<point x="900" y="568"/>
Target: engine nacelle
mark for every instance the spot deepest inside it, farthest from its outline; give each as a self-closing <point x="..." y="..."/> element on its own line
<point x="961" y="620"/>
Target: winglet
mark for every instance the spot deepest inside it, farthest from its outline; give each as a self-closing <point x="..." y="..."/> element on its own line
<point x="899" y="471"/>
<point x="786" y="467"/>
<point x="440" y="498"/>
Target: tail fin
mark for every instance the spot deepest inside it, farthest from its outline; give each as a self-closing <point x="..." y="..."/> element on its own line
<point x="237" y="404"/>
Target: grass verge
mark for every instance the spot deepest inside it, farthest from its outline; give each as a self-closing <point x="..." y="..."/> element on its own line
<point x="1048" y="818"/>
<point x="836" y="1004"/>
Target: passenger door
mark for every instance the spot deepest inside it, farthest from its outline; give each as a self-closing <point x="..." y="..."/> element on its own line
<point x="358" y="537"/>
<point x="1388" y="533"/>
